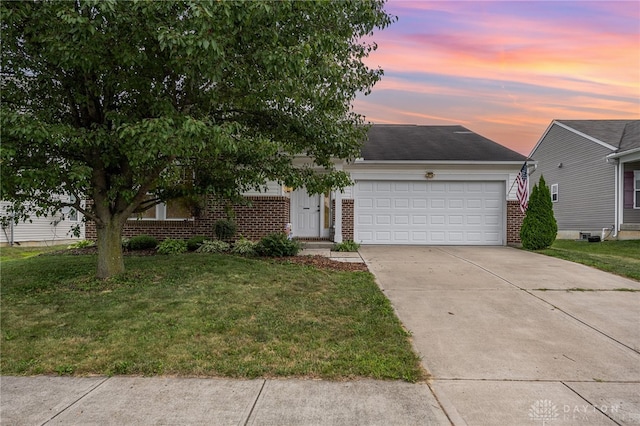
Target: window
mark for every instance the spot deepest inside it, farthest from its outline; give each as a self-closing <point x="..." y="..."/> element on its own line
<point x="554" y="192"/>
<point x="73" y="213"/>
<point x="171" y="210"/>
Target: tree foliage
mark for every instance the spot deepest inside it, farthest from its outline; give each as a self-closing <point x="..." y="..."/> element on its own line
<point x="112" y="101"/>
<point x="539" y="227"/>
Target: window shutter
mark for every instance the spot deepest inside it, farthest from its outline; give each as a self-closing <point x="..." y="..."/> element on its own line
<point x="628" y="190"/>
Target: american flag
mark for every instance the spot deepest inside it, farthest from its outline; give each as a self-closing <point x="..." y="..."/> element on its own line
<point x="523" y="188"/>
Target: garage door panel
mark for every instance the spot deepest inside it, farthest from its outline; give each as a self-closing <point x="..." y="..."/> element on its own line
<point x="419" y="219"/>
<point x="401" y="220"/>
<point x="429" y="212"/>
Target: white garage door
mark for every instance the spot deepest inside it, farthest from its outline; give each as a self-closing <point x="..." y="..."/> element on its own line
<point x="395" y="212"/>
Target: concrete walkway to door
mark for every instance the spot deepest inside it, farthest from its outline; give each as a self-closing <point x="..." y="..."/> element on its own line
<point x="512" y="337"/>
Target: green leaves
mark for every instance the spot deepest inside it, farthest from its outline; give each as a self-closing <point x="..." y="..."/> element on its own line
<point x="112" y="99"/>
<point x="539" y="227"/>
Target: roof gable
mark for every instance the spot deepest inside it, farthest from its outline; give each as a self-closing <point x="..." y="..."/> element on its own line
<point x="608" y="131"/>
<point x="402" y="142"/>
<point x="631" y="137"/>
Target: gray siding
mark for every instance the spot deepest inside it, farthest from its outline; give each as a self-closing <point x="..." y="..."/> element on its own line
<point x="631" y="215"/>
<point x="585" y="181"/>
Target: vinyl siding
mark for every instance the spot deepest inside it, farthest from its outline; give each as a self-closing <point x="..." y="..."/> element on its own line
<point x="40" y="229"/>
<point x="272" y="188"/>
<point x="585" y="180"/>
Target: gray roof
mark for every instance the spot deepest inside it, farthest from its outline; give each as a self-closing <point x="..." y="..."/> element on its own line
<point x="630" y="137"/>
<point x="405" y="142"/>
<point x="611" y="132"/>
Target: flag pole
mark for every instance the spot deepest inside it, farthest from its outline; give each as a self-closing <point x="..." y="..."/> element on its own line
<point x="515" y="180"/>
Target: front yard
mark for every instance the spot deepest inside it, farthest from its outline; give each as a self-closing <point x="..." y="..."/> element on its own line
<point x="618" y="257"/>
<point x="198" y="315"/>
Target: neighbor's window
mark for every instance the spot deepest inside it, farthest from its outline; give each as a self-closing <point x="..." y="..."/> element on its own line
<point x="554" y="192"/>
<point x="73" y="213"/>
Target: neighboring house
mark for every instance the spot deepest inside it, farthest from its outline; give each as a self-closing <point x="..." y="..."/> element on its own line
<point x="592" y="168"/>
<point x="38" y="231"/>
<point x="413" y="184"/>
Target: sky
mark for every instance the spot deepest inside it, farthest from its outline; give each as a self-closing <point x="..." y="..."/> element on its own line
<point x="506" y="69"/>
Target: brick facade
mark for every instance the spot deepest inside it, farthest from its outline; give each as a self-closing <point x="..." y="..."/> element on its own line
<point x="514" y="222"/>
<point x="347" y="219"/>
<point x="263" y="216"/>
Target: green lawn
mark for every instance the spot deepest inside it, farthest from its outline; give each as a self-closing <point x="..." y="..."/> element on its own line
<point x="618" y="257"/>
<point x="17" y="252"/>
<point x="198" y="315"/>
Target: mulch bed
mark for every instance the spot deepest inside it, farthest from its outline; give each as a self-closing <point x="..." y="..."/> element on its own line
<point x="323" y="262"/>
<point x="320" y="262"/>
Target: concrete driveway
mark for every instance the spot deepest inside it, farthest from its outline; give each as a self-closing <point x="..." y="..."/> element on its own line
<point x="512" y="337"/>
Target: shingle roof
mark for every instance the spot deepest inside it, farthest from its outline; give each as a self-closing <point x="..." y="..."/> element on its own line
<point x="630" y="137"/>
<point x="400" y="142"/>
<point x="607" y="131"/>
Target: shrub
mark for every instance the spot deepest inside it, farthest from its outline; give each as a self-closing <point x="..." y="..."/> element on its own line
<point x="539" y="227"/>
<point x="277" y="245"/>
<point x="224" y="229"/>
<point x="348" y="245"/>
<point x="215" y="246"/>
<point x="194" y="242"/>
<point x="126" y="243"/>
<point x="142" y="242"/>
<point x="244" y="247"/>
<point x="170" y="246"/>
<point x="81" y="244"/>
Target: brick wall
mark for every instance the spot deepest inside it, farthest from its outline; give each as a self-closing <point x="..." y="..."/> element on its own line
<point x="514" y="222"/>
<point x="263" y="216"/>
<point x="347" y="219"/>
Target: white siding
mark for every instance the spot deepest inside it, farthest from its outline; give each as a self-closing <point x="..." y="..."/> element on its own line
<point x="50" y="229"/>
<point x="272" y="189"/>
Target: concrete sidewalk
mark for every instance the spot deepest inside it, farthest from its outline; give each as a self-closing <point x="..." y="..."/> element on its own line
<point x="172" y="401"/>
<point x="507" y="343"/>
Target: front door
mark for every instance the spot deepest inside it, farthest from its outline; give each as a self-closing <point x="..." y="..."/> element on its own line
<point x="305" y="214"/>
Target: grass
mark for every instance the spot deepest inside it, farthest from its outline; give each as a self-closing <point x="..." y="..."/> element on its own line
<point x="17" y="252"/>
<point x="198" y="315"/>
<point x="619" y="257"/>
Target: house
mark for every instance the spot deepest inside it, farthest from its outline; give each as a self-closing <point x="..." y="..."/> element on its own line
<point x="413" y="184"/>
<point x="592" y="168"/>
<point x="39" y="231"/>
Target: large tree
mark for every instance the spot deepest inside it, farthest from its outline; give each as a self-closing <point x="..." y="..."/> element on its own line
<point x="129" y="104"/>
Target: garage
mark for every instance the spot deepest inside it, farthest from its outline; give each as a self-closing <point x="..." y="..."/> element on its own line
<point x="429" y="212"/>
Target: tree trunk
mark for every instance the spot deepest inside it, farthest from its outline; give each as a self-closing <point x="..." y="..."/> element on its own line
<point x="109" y="243"/>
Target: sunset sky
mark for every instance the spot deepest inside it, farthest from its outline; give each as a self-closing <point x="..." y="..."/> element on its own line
<point x="506" y="69"/>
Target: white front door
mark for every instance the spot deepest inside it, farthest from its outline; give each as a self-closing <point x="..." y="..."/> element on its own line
<point x="305" y="214"/>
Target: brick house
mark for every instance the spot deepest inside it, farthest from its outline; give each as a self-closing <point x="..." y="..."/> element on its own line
<point x="432" y="185"/>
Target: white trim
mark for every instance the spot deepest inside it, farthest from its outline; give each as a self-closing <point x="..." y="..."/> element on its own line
<point x="544" y="135"/>
<point x="556" y="193"/>
<point x="635" y="153"/>
<point x="636" y="188"/>
<point x="617" y="199"/>
<point x="337" y="235"/>
<point x="360" y="162"/>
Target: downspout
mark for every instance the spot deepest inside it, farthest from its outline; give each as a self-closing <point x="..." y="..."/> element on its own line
<point x="616" y="222"/>
<point x="616" y="196"/>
